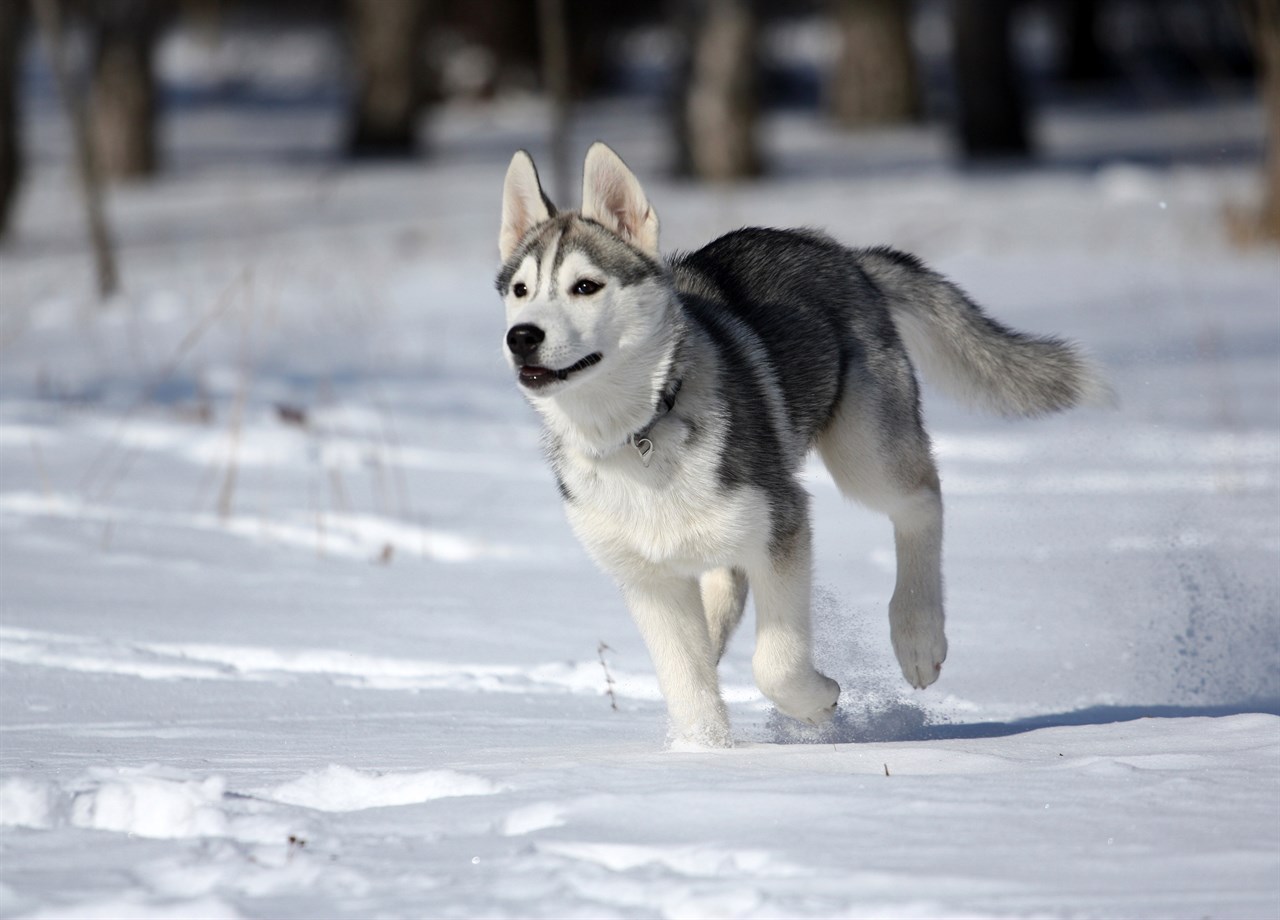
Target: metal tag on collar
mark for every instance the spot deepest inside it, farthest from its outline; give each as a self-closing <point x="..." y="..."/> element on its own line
<point x="644" y="447"/>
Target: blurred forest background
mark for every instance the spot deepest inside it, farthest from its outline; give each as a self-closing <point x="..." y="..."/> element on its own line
<point x="982" y="68"/>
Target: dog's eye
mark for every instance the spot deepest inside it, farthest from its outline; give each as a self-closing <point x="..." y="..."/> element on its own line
<point x="519" y="289"/>
<point x="586" y="287"/>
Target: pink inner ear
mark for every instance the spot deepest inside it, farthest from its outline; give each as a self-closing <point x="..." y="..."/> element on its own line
<point x="616" y="201"/>
<point x="522" y="206"/>
<point x="613" y="197"/>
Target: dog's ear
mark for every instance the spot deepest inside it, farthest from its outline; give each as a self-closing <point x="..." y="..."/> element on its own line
<point x="524" y="204"/>
<point x="613" y="196"/>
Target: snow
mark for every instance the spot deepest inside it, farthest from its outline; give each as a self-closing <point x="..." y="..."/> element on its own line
<point x="291" y="624"/>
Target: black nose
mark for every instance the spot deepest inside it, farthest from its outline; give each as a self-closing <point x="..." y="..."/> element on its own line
<point x="524" y="339"/>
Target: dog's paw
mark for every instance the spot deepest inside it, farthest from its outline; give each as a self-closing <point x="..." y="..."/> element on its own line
<point x="921" y="647"/>
<point x="812" y="700"/>
<point x="713" y="734"/>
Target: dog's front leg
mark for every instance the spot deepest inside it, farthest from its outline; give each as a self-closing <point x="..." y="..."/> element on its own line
<point x="783" y="660"/>
<point x="668" y="610"/>
<point x="724" y="596"/>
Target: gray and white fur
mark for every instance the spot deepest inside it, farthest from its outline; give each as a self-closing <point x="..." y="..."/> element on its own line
<point x="681" y="396"/>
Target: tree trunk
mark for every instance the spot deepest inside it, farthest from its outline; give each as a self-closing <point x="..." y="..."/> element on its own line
<point x="553" y="29"/>
<point x="10" y="145"/>
<point x="992" y="106"/>
<point x="1084" y="61"/>
<point x="122" y="93"/>
<point x="874" y="79"/>
<point x="386" y="42"/>
<point x="716" y="104"/>
<point x="1268" y="31"/>
<point x="49" y="16"/>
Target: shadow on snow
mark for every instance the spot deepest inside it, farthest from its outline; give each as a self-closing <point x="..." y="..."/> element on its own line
<point x="902" y="721"/>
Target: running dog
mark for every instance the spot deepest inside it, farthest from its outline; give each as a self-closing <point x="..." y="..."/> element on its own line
<point x="680" y="397"/>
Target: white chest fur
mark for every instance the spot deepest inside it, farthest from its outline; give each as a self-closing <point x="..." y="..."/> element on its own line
<point x="672" y="514"/>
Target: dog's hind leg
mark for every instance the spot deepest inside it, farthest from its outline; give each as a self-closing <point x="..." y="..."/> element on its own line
<point x="878" y="453"/>
<point x="724" y="596"/>
<point x="916" y="620"/>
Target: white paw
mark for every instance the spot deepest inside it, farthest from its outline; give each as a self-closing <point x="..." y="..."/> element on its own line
<point x="709" y="734"/>
<point x="812" y="699"/>
<point x="921" y="646"/>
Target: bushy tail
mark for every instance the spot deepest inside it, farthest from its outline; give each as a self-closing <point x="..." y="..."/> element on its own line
<point x="971" y="356"/>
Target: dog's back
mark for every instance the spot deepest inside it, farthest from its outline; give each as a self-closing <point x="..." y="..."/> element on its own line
<point x="801" y="298"/>
<point x="823" y="312"/>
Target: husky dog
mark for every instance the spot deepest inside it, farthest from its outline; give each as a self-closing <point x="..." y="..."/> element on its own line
<point x="681" y="396"/>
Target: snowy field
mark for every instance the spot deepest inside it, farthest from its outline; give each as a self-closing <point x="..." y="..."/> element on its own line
<point x="291" y="624"/>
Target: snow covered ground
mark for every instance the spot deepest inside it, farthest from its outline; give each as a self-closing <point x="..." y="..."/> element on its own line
<point x="291" y="624"/>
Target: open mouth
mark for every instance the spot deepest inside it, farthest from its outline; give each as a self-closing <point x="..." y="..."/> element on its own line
<point x="535" y="377"/>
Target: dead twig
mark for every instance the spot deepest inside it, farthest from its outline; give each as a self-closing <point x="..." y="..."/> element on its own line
<point x="227" y="494"/>
<point x="608" y="678"/>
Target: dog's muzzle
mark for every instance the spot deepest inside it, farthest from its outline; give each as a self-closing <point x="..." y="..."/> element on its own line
<point x="523" y="340"/>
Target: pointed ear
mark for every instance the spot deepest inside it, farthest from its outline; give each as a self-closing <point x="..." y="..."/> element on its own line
<point x="523" y="203"/>
<point x="612" y="196"/>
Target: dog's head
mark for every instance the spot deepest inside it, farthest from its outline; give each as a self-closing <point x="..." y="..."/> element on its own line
<point x="583" y="290"/>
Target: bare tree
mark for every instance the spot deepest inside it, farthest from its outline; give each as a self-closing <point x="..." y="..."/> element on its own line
<point x="50" y="16"/>
<point x="716" y="100"/>
<point x="874" y="78"/>
<point x="993" y="109"/>
<point x="122" y="94"/>
<point x="1250" y="224"/>
<point x="386" y="42"/>
<point x="1084" y="60"/>
<point x="553" y="29"/>
<point x="10" y="145"/>
<point x="1268" y="39"/>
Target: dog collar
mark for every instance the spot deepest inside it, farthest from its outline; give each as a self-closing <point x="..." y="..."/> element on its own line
<point x="640" y="440"/>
